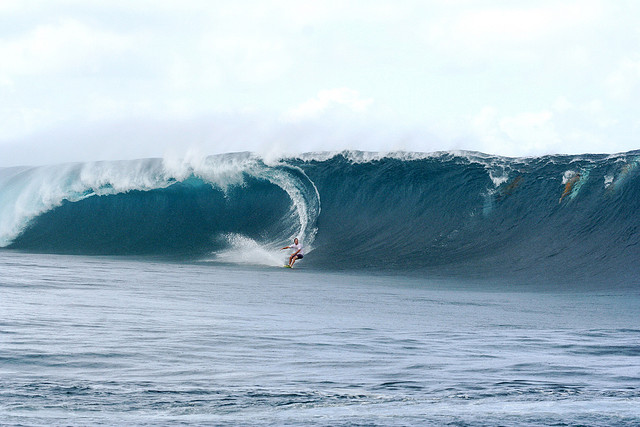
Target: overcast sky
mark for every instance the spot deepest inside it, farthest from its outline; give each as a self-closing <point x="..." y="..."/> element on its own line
<point x="91" y="80"/>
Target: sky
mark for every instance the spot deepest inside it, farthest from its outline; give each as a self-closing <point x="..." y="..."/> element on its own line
<point x="119" y="79"/>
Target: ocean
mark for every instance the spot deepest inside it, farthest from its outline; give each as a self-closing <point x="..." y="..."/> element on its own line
<point x="448" y="288"/>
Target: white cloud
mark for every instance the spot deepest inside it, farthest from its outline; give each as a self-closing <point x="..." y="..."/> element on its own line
<point x="515" y="32"/>
<point x="562" y="104"/>
<point x="535" y="132"/>
<point x="54" y="48"/>
<point x="44" y="69"/>
<point x="251" y="59"/>
<point x="556" y="73"/>
<point x="566" y="127"/>
<point x="330" y="100"/>
<point x="517" y="24"/>
<point x="625" y="79"/>
<point x="11" y="5"/>
<point x="528" y="133"/>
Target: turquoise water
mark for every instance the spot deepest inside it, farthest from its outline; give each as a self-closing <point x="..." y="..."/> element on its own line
<point x="103" y="340"/>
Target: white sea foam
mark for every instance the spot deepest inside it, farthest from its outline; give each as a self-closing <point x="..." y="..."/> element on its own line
<point x="608" y="180"/>
<point x="498" y="177"/>
<point x="567" y="175"/>
<point x="246" y="251"/>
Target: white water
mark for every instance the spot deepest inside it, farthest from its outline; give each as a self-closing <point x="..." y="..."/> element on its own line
<point x="245" y="251"/>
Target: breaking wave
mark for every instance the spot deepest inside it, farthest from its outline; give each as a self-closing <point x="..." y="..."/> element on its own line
<point x="453" y="213"/>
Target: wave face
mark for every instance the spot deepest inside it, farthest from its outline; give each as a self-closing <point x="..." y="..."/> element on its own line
<point x="454" y="214"/>
<point x="153" y="207"/>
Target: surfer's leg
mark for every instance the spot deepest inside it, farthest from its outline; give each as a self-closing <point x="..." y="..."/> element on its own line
<point x="295" y="258"/>
<point x="567" y="190"/>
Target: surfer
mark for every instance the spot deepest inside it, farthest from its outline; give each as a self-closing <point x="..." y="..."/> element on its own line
<point x="569" y="185"/>
<point x="298" y="254"/>
<point x="510" y="188"/>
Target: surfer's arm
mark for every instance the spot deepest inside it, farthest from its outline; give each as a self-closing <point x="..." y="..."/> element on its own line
<point x="286" y="247"/>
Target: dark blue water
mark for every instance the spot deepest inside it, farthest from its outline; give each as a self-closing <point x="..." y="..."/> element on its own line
<point x="96" y="340"/>
<point x="553" y="219"/>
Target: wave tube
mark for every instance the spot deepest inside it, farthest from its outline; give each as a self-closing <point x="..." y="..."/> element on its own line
<point x="151" y="207"/>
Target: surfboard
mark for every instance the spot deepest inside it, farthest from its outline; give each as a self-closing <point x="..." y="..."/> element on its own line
<point x="574" y="184"/>
<point x="287" y="266"/>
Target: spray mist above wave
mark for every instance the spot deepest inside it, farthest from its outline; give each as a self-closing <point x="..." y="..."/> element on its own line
<point x="27" y="193"/>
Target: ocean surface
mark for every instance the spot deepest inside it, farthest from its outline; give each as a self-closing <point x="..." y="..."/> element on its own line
<point x="436" y="289"/>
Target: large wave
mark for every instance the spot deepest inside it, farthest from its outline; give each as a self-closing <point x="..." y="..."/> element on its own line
<point x="452" y="214"/>
<point x="157" y="207"/>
